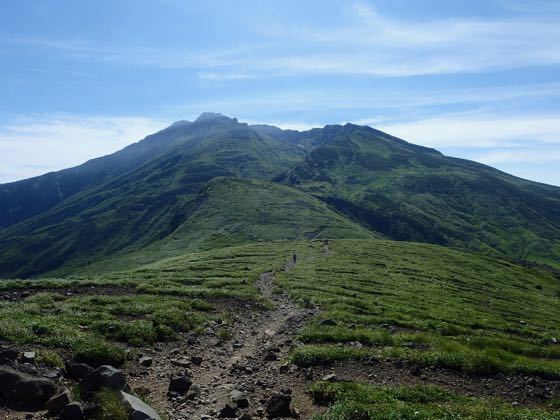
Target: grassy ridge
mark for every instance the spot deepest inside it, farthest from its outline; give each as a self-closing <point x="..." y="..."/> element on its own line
<point x="427" y="304"/>
<point x="412" y="193"/>
<point x="361" y="401"/>
<point x="231" y="211"/>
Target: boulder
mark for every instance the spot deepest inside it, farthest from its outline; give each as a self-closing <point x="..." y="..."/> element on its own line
<point x="8" y="355"/>
<point x="138" y="409"/>
<point x="279" y="405"/>
<point x="78" y="370"/>
<point x="72" y="411"/>
<point x="180" y="383"/>
<point x="331" y="377"/>
<point x="239" y="398"/>
<point x="228" y="412"/>
<point x="22" y="387"/>
<point x="146" y="361"/>
<point x="58" y="402"/>
<point x="196" y="360"/>
<point x="28" y="357"/>
<point x="103" y="377"/>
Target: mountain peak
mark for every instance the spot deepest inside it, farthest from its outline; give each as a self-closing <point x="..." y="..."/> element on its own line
<point x="214" y="116"/>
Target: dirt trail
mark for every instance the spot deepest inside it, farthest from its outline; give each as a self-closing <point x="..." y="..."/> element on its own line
<point x="253" y="362"/>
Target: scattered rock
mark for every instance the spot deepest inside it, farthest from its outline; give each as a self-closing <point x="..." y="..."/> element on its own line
<point x="196" y="360"/>
<point x="28" y="357"/>
<point x="279" y="405"/>
<point x="103" y="377"/>
<point x="58" y="402"/>
<point x="146" y="361"/>
<point x="138" y="409"/>
<point x="78" y="370"/>
<point x="239" y="398"/>
<point x="22" y="387"/>
<point x="228" y="412"/>
<point x="8" y="355"/>
<point x="180" y="383"/>
<point x="194" y="392"/>
<point x="72" y="411"/>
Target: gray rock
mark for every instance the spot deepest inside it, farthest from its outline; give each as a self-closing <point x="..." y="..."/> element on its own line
<point x="72" y="411"/>
<point x="138" y="409"/>
<point x="146" y="361"/>
<point x="58" y="402"/>
<point x="194" y="391"/>
<point x="22" y="387"/>
<point x="196" y="360"/>
<point x="228" y="412"/>
<point x="331" y="377"/>
<point x="279" y="405"/>
<point x="28" y="357"/>
<point x="8" y="355"/>
<point x="180" y="383"/>
<point x="78" y="370"/>
<point x="103" y="377"/>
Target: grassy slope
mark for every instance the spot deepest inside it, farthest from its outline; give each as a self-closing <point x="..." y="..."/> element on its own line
<point x="463" y="310"/>
<point x="233" y="211"/>
<point x="412" y="193"/>
<point x="132" y="210"/>
<point x="454" y="309"/>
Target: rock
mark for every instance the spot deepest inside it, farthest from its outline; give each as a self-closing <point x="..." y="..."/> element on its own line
<point x="328" y="322"/>
<point x="270" y="356"/>
<point x="8" y="355"/>
<point x="146" y="361"/>
<point x="279" y="405"/>
<point x="308" y="373"/>
<point x="239" y="398"/>
<point x="245" y="416"/>
<point x="180" y="383"/>
<point x="196" y="360"/>
<point x="58" y="402"/>
<point x="21" y="387"/>
<point x="138" y="409"/>
<point x="28" y="357"/>
<point x="103" y="377"/>
<point x="228" y="412"/>
<point x="194" y="392"/>
<point x="331" y="377"/>
<point x="72" y="411"/>
<point x="78" y="370"/>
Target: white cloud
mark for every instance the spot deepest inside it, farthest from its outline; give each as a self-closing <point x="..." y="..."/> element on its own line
<point x="477" y="130"/>
<point x="34" y="145"/>
<point x="367" y="43"/>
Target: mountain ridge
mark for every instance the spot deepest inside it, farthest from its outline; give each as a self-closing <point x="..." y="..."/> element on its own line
<point x="143" y="193"/>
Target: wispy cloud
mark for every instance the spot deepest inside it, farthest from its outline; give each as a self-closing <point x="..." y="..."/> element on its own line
<point x="34" y="145"/>
<point x="478" y="130"/>
<point x="367" y="43"/>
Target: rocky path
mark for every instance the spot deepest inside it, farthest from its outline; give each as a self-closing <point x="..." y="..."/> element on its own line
<point x="239" y="376"/>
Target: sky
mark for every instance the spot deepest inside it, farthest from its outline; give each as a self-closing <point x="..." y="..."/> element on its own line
<point x="478" y="80"/>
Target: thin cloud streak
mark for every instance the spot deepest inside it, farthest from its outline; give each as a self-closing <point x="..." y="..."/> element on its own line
<point x="369" y="44"/>
<point x="32" y="146"/>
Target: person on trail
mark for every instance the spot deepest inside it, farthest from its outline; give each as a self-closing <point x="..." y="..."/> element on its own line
<point x="294" y="259"/>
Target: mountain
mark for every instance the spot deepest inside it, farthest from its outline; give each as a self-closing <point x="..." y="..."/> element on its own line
<point x="408" y="192"/>
<point x="216" y="182"/>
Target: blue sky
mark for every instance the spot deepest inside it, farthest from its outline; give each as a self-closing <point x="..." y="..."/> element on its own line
<point x="478" y="79"/>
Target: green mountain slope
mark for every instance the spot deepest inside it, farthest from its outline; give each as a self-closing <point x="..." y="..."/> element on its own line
<point x="408" y="192"/>
<point x="228" y="211"/>
<point x="138" y="197"/>
<point x="133" y="209"/>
